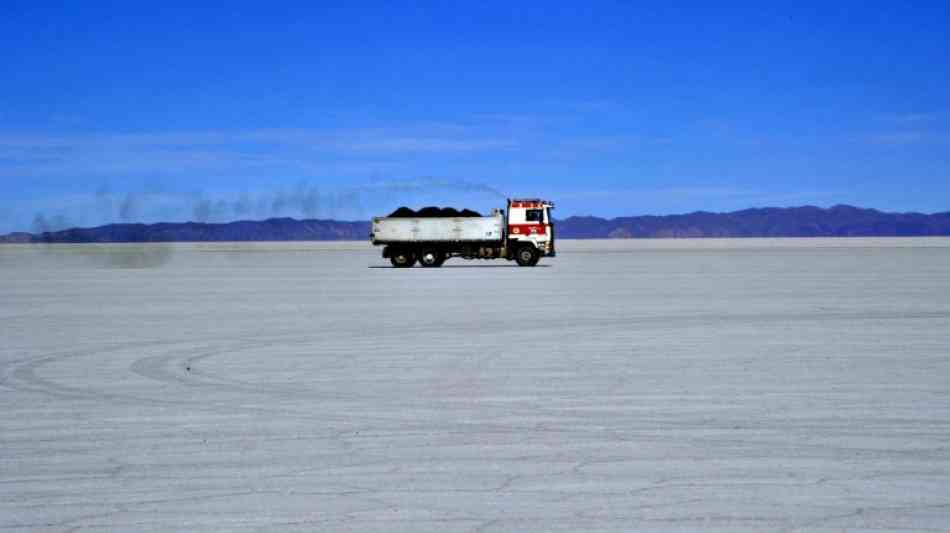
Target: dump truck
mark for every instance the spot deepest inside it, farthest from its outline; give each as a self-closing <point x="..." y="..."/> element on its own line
<point x="522" y="232"/>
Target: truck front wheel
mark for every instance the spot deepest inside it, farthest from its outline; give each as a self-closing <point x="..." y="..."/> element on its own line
<point x="402" y="259"/>
<point x="527" y="256"/>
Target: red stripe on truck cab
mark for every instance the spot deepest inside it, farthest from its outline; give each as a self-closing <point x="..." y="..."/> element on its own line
<point x="526" y="229"/>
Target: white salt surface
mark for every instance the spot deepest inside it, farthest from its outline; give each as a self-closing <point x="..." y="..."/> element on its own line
<point x="757" y="385"/>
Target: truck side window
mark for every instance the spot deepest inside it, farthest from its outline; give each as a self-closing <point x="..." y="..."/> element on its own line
<point x="534" y="215"/>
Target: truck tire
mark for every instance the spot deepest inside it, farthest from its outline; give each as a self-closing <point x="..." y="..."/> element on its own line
<point x="431" y="258"/>
<point x="527" y="256"/>
<point x="402" y="259"/>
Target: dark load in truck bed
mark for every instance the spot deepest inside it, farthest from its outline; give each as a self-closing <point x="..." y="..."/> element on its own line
<point x="433" y="212"/>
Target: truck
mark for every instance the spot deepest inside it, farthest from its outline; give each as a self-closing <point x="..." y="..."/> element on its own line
<point x="522" y="232"/>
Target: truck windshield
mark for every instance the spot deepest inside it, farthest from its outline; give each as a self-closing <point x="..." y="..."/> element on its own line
<point x="534" y="215"/>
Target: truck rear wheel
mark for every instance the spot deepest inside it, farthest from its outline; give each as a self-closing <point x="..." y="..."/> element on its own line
<point x="431" y="258"/>
<point x="402" y="259"/>
<point x="527" y="256"/>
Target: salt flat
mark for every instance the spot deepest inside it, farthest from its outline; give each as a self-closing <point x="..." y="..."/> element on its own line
<point x="759" y="385"/>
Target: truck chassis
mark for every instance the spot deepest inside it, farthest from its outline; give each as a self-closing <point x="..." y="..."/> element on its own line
<point x="435" y="254"/>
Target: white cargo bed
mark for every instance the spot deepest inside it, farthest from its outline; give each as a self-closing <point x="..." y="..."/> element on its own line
<point x="424" y="229"/>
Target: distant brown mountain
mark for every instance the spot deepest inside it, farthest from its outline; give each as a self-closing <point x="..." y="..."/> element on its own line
<point x="18" y="237"/>
<point x="274" y="229"/>
<point x="807" y="221"/>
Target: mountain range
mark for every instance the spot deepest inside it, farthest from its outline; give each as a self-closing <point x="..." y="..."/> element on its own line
<point x="806" y="221"/>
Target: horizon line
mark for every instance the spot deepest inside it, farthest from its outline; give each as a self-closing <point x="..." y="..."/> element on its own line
<point x="341" y="221"/>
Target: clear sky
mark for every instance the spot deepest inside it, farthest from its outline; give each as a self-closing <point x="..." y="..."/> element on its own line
<point x="128" y="111"/>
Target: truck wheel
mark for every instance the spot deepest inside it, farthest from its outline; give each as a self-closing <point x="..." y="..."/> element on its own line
<point x="431" y="258"/>
<point x="402" y="259"/>
<point x="527" y="256"/>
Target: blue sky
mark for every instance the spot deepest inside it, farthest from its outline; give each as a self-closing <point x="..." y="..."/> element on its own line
<point x="126" y="113"/>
